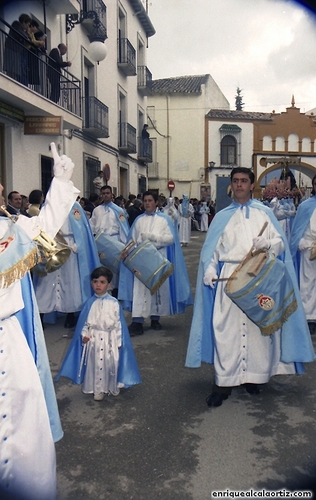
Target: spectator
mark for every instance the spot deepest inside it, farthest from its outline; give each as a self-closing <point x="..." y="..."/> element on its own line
<point x="14" y="203"/>
<point x="145" y="140"/>
<point x="37" y="39"/>
<point x="36" y="199"/>
<point x="99" y="181"/>
<point x="56" y="64"/>
<point x="16" y="50"/>
<point x="24" y="205"/>
<point x="130" y="201"/>
<point x="134" y="211"/>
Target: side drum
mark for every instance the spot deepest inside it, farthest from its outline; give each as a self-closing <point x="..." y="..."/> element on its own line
<point x="261" y="287"/>
<point x="110" y="251"/>
<point x="149" y="265"/>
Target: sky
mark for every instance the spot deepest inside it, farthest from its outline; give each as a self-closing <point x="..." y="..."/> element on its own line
<point x="267" y="48"/>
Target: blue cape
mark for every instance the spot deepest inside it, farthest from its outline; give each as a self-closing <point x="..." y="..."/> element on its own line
<point x="301" y="221"/>
<point x="179" y="285"/>
<point x="121" y="217"/>
<point x="128" y="373"/>
<point x="32" y="328"/>
<point x="88" y="257"/>
<point x="296" y="344"/>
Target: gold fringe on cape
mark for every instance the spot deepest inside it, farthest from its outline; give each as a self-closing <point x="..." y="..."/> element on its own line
<point x="162" y="279"/>
<point x="269" y="329"/>
<point x="19" y="269"/>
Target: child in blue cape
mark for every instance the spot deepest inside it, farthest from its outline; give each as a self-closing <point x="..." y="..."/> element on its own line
<point x="101" y="355"/>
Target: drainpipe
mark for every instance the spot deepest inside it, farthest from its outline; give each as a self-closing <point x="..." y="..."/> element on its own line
<point x="168" y="139"/>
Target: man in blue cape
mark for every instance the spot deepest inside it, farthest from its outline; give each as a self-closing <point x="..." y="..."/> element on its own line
<point x="221" y="333"/>
<point x="174" y="295"/>
<point x="302" y="245"/>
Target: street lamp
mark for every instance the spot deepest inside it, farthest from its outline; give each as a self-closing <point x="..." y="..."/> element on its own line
<point x="97" y="49"/>
<point x="211" y="165"/>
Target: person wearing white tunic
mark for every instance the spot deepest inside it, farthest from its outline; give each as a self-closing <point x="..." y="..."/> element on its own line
<point x="204" y="211"/>
<point x="110" y="219"/>
<point x="240" y="353"/>
<point x="186" y="211"/>
<point x="67" y="289"/>
<point x="171" y="211"/>
<point x="155" y="229"/>
<point x="27" y="452"/>
<point x="303" y="238"/>
<point x="102" y="333"/>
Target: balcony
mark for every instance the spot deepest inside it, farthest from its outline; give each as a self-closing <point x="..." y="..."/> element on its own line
<point x="90" y="11"/>
<point x="144" y="80"/>
<point x="95" y="117"/>
<point x="27" y="77"/>
<point x="145" y="148"/>
<point x="126" y="57"/>
<point x="127" y="138"/>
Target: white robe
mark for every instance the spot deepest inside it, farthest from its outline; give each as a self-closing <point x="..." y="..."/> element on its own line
<point x="104" y="328"/>
<point x="103" y="218"/>
<point x="27" y="452"/>
<point x="61" y="290"/>
<point x="242" y="353"/>
<point x="308" y="272"/>
<point x="145" y="304"/>
<point x="185" y="224"/>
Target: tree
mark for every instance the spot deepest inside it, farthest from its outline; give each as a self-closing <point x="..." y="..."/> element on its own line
<point x="238" y="100"/>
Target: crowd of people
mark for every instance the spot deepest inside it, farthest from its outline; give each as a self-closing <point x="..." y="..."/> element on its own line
<point x="24" y="48"/>
<point x="126" y="255"/>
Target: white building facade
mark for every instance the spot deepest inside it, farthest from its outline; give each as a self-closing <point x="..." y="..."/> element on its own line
<point x="176" y="118"/>
<point x="102" y="106"/>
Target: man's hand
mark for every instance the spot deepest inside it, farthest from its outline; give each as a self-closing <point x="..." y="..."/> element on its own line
<point x="260" y="243"/>
<point x="210" y="276"/>
<point x="304" y="244"/>
<point x="63" y="165"/>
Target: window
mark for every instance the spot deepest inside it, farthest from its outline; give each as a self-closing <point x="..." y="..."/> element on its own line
<point x="228" y="150"/>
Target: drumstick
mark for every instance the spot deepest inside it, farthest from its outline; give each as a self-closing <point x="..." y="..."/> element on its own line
<point x="223" y="279"/>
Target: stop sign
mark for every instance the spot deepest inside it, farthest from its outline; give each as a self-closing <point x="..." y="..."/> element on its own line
<point x="171" y="185"/>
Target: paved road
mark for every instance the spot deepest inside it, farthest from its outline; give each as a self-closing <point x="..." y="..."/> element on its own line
<point x="159" y="440"/>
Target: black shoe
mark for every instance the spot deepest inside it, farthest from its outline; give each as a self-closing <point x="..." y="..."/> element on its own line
<point x="252" y="388"/>
<point x="135" y="329"/>
<point x="155" y="325"/>
<point x="70" y="321"/>
<point x="216" y="399"/>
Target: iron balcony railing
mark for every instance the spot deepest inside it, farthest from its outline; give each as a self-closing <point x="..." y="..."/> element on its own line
<point x="31" y="67"/>
<point x="145" y="150"/>
<point x="127" y="138"/>
<point x="144" y="80"/>
<point x="91" y="12"/>
<point x="126" y="56"/>
<point x="96" y="117"/>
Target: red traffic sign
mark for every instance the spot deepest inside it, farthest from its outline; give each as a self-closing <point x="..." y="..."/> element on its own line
<point x="171" y="185"/>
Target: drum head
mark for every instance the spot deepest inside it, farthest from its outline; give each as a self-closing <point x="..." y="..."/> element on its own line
<point x="243" y="275"/>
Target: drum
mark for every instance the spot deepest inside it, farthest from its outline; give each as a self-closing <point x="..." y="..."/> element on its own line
<point x="110" y="250"/>
<point x="149" y="265"/>
<point x="261" y="287"/>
